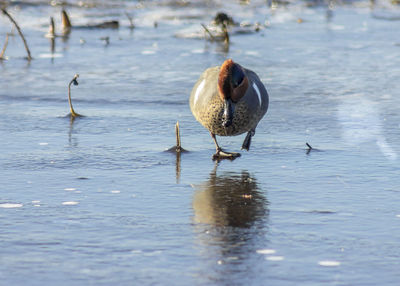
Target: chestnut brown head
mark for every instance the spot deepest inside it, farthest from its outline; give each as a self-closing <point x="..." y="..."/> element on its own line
<point x="232" y="81"/>
<point x="232" y="86"/>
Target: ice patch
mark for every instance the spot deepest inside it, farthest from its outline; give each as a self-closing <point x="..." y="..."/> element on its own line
<point x="10" y="206"/>
<point x="275" y="258"/>
<point x="70" y="203"/>
<point x="198" y="51"/>
<point x="252" y="53"/>
<point x="266" y="251"/>
<point x="148" y="52"/>
<point x="329" y="263"/>
<point x="49" y="56"/>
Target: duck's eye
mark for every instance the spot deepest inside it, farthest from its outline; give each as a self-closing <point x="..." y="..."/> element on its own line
<point x="237" y="76"/>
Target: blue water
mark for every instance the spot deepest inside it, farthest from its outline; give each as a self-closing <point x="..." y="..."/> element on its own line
<point x="98" y="201"/>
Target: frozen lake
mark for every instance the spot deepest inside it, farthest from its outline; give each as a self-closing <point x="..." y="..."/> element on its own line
<point x="98" y="201"/>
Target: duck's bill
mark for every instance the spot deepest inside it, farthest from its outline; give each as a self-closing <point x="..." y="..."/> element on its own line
<point x="229" y="109"/>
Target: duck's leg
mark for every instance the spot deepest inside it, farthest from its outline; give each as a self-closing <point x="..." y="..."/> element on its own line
<point x="220" y="154"/>
<point x="247" y="140"/>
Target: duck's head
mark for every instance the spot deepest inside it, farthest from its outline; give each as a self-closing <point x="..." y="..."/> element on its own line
<point x="232" y="86"/>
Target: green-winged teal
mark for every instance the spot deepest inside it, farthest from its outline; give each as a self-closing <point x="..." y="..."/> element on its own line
<point x="229" y="100"/>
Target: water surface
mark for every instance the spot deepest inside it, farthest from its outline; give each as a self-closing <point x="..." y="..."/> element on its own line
<point x="97" y="201"/>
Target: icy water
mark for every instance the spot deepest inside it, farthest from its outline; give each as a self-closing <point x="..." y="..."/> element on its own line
<point x="98" y="201"/>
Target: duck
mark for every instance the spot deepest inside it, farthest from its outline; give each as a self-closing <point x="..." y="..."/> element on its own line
<point x="229" y="100"/>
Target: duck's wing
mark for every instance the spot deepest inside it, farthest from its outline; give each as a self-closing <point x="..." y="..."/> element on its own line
<point x="205" y="90"/>
<point x="256" y="95"/>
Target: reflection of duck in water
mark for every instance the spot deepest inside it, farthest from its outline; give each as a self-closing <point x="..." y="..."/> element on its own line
<point x="231" y="215"/>
<point x="232" y="199"/>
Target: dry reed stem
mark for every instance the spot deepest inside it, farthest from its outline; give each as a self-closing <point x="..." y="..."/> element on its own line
<point x="19" y="31"/>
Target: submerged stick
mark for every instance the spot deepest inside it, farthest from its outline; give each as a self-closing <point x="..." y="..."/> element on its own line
<point x="75" y="82"/>
<point x="19" y="31"/>
<point x="178" y="137"/>
<point x="4" y="48"/>
<point x="178" y="147"/>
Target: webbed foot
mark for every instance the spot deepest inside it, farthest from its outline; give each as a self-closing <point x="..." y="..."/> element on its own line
<point x="220" y="155"/>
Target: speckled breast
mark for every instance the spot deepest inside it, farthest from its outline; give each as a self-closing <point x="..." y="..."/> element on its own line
<point x="212" y="119"/>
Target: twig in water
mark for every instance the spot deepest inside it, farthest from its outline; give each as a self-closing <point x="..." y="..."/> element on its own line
<point x="132" y="26"/>
<point x="75" y="82"/>
<point x="4" y="48"/>
<point x="310" y="148"/>
<point x="19" y="31"/>
<point x="208" y="32"/>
